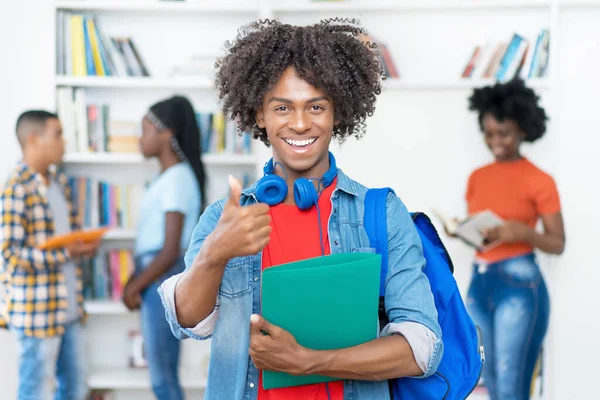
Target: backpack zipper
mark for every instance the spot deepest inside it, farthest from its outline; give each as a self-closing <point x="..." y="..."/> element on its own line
<point x="481" y="350"/>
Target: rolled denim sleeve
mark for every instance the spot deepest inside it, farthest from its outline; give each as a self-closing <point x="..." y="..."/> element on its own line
<point x="421" y="339"/>
<point x="205" y="328"/>
<point x="408" y="296"/>
<point x="202" y="331"/>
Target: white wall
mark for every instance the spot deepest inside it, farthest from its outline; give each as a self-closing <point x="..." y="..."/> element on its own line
<point x="423" y="143"/>
<point x="577" y="301"/>
<point x="24" y="77"/>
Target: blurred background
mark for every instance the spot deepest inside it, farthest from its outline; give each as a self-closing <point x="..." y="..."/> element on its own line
<point x="422" y="140"/>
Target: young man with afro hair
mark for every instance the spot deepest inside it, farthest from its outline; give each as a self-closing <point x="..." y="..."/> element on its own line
<point x="508" y="298"/>
<point x="296" y="88"/>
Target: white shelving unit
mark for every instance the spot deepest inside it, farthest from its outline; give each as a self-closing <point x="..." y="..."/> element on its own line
<point x="134" y="82"/>
<point x="105" y="307"/>
<point x="407" y="6"/>
<point x="399" y="22"/>
<point x="132" y="379"/>
<point x="155" y="6"/>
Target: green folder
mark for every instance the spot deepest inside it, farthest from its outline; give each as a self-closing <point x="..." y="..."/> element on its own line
<point x="326" y="303"/>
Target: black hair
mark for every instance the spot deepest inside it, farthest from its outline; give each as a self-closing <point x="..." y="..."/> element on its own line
<point x="334" y="55"/>
<point x="177" y="114"/>
<point x="513" y="101"/>
<point x="38" y="117"/>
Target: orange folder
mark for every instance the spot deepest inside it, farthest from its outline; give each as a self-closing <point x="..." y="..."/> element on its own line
<point x="88" y="235"/>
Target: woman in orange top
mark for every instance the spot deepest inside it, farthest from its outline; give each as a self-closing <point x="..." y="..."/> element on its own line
<point x="508" y="298"/>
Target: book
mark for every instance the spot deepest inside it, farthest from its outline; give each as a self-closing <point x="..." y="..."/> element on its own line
<point x="326" y="303"/>
<point x="89" y="235"/>
<point x="470" y="230"/>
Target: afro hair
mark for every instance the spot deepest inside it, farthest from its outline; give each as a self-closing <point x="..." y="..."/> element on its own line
<point x="335" y="55"/>
<point x="511" y="101"/>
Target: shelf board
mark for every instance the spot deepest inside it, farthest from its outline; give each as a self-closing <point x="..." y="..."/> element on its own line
<point x="133" y="158"/>
<point x="120" y="234"/>
<point x="415" y="5"/>
<point x="105" y="307"/>
<point x="461" y="84"/>
<point x="154" y="6"/>
<point x="139" y="379"/>
<point x="579" y="4"/>
<point x="135" y="82"/>
<point x="103" y="158"/>
<point x="229" y="159"/>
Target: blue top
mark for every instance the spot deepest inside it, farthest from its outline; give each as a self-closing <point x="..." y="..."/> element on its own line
<point x="175" y="190"/>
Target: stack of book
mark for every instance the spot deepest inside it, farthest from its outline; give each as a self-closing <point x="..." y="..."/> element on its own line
<point x="518" y="57"/>
<point x="83" y="49"/>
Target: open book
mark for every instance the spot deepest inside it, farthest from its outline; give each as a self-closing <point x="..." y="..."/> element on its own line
<point x="470" y="229"/>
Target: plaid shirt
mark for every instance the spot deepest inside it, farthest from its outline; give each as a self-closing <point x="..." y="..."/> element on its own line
<point x="34" y="298"/>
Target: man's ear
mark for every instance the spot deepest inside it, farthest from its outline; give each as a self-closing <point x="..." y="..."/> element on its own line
<point x="260" y="119"/>
<point x="31" y="138"/>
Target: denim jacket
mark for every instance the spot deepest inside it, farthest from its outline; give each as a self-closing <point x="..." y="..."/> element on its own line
<point x="408" y="297"/>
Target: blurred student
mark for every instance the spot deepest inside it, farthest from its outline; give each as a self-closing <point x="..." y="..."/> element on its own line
<point x="42" y="299"/>
<point x="508" y="297"/>
<point x="169" y="212"/>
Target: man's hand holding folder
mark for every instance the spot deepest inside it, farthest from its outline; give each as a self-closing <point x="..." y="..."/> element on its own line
<point x="275" y="349"/>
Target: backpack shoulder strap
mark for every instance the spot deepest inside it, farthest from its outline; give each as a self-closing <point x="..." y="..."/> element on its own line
<point x="375" y="222"/>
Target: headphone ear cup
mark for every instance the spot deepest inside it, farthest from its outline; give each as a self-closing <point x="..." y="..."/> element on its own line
<point x="305" y="194"/>
<point x="271" y="189"/>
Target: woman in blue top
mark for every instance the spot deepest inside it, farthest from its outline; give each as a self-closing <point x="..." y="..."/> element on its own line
<point x="169" y="211"/>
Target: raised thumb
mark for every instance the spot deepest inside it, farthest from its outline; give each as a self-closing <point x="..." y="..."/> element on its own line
<point x="235" y="191"/>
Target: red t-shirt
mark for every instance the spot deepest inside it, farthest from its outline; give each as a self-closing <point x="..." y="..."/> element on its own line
<point x="295" y="237"/>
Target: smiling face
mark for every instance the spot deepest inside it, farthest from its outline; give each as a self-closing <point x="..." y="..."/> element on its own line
<point x="502" y="138"/>
<point x="299" y="120"/>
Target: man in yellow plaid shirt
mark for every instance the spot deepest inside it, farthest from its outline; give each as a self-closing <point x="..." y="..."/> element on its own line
<point x="41" y="297"/>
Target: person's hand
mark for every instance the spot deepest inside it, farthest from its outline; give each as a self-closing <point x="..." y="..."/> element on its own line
<point x="83" y="249"/>
<point x="132" y="296"/>
<point x="241" y="231"/>
<point x="510" y="232"/>
<point x="275" y="349"/>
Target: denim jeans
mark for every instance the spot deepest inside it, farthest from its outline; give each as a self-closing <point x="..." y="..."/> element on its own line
<point x="52" y="366"/>
<point x="509" y="301"/>
<point x="160" y="346"/>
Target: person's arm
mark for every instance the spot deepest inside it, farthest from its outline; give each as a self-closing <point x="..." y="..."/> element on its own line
<point x="410" y="344"/>
<point x="544" y="195"/>
<point x="384" y="358"/>
<point x="240" y="231"/>
<point x="552" y="240"/>
<point x="164" y="260"/>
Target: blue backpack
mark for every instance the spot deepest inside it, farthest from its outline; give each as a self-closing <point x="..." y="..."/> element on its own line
<point x="462" y="363"/>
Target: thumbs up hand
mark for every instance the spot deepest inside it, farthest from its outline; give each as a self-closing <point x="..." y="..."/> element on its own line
<point x="241" y="231"/>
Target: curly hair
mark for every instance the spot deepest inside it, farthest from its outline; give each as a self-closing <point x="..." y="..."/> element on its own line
<point x="335" y="55"/>
<point x="513" y="101"/>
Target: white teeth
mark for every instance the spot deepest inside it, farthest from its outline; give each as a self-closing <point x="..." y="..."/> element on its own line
<point x="300" y="143"/>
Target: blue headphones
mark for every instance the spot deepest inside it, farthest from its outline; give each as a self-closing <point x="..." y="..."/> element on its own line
<point x="272" y="189"/>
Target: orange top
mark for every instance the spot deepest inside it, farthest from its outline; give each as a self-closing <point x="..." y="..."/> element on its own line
<point x="515" y="190"/>
<point x="295" y="236"/>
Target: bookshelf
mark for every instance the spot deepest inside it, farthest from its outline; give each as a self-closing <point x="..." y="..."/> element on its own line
<point x="134" y="82"/>
<point x="128" y="97"/>
<point x="434" y="78"/>
<point x="408" y="6"/>
<point x="131" y="379"/>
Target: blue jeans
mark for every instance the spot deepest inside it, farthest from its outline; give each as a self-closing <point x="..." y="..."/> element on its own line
<point x="53" y="365"/>
<point x="509" y="301"/>
<point x="160" y="346"/>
